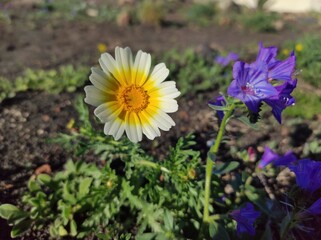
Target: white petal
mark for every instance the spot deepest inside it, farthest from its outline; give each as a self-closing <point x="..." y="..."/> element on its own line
<point x="169" y="90"/>
<point x="159" y="73"/>
<point x="164" y="117"/>
<point x="120" y="132"/>
<point x="107" y="127"/>
<point x="124" y="60"/>
<point x="94" y="96"/>
<point x="149" y="126"/>
<point x="107" y="111"/>
<point x="112" y="127"/>
<point x="115" y="128"/>
<point x="133" y="127"/>
<point x="108" y="63"/>
<point x="141" y="67"/>
<point x="160" y="119"/>
<point x="103" y="81"/>
<point x="168" y="105"/>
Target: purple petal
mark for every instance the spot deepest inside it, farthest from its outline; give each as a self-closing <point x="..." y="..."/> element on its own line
<point x="308" y="174"/>
<point x="252" y="103"/>
<point x="232" y="56"/>
<point x="288" y="158"/>
<point x="268" y="157"/>
<point x="245" y="218"/>
<point x="220" y="101"/>
<point x="315" y="208"/>
<point x="222" y="61"/>
<point x="271" y="157"/>
<point x="266" y="55"/>
<point x="239" y="73"/>
<point x="283" y="99"/>
<point x="282" y="70"/>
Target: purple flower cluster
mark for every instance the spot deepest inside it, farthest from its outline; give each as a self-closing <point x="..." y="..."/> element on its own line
<point x="224" y="61"/>
<point x="307" y="172"/>
<point x="271" y="157"/>
<point x="308" y="178"/>
<point x="245" y="218"/>
<point x="252" y="83"/>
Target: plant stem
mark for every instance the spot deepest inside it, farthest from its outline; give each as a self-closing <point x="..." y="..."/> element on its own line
<point x="210" y="162"/>
<point x="153" y="165"/>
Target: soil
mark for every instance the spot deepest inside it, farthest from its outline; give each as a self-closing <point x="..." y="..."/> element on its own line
<point x="30" y="118"/>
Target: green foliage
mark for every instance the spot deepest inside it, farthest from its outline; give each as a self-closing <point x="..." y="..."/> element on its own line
<point x="77" y="9"/>
<point x="195" y="73"/>
<point x="151" y="12"/>
<point x="131" y="193"/>
<point x="201" y="14"/>
<point x="84" y="200"/>
<point x="259" y="21"/>
<point x="308" y="58"/>
<point x="66" y="78"/>
<point x="307" y="105"/>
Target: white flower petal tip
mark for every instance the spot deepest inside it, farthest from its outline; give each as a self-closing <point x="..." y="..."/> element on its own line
<point x="129" y="97"/>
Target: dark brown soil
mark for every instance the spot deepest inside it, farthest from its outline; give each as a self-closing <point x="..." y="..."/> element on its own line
<point x="29" y="119"/>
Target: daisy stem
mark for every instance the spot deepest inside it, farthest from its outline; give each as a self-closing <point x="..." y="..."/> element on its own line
<point x="153" y="165"/>
<point x="210" y="162"/>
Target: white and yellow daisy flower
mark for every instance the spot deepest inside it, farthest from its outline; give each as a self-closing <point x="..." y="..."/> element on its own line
<point x="128" y="98"/>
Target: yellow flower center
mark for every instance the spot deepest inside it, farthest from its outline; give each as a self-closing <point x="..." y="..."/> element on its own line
<point x="133" y="98"/>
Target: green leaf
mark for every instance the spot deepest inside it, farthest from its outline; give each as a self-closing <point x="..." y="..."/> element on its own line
<point x="67" y="195"/>
<point x="258" y="198"/>
<point x="73" y="228"/>
<point x="284" y="225"/>
<point x="267" y="235"/>
<point x="168" y="220"/>
<point x="217" y="231"/>
<point x="146" y="236"/>
<point x="247" y="122"/>
<point x="8" y="211"/>
<point x="21" y="228"/>
<point x="84" y="187"/>
<point x="62" y="231"/>
<point x="70" y="166"/>
<point x="33" y="186"/>
<point x="225" y="167"/>
<point x="44" y="178"/>
<point x="218" y="108"/>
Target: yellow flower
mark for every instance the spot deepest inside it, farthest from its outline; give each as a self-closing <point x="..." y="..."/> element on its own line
<point x="298" y="47"/>
<point x="128" y="98"/>
<point x="285" y="52"/>
<point x="70" y="124"/>
<point x="102" y="47"/>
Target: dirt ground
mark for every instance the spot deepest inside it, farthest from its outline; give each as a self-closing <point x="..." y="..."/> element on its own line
<point x="29" y="119"/>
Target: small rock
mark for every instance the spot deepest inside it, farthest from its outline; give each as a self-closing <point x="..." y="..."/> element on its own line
<point x="228" y="189"/>
<point x="40" y="132"/>
<point x="45" y="118"/>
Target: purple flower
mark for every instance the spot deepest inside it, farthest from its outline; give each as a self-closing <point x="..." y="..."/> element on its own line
<point x="308" y="174"/>
<point x="271" y="157"/>
<point x="277" y="70"/>
<point x="283" y="99"/>
<point x="250" y="85"/>
<point x="315" y="208"/>
<point x="224" y="61"/>
<point x="245" y="218"/>
<point x="220" y="101"/>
